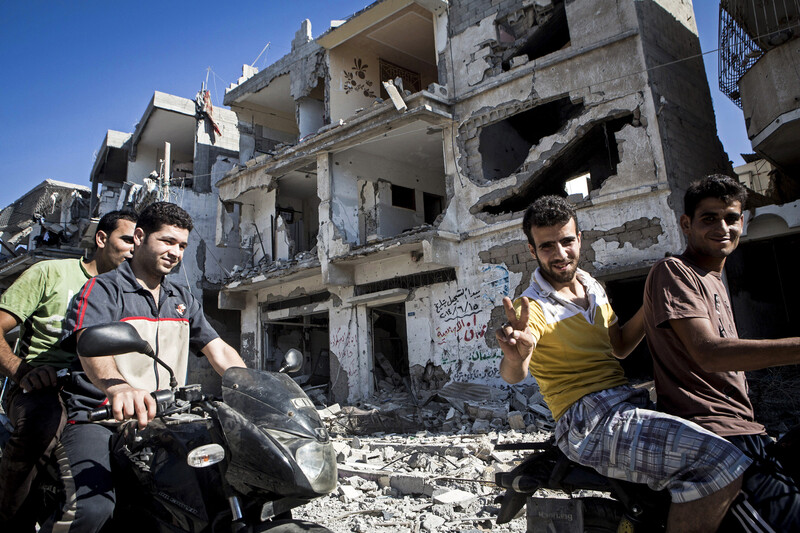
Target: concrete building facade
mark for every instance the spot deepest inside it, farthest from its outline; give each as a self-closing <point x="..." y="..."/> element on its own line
<point x="386" y="166"/>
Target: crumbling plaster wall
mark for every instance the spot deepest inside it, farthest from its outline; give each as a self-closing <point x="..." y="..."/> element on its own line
<point x="349" y="172"/>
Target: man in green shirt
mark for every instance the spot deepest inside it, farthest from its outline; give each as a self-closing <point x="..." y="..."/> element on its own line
<point x="38" y="302"/>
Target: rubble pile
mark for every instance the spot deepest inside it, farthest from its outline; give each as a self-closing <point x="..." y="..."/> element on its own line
<point x="458" y="408"/>
<point x="425" y="461"/>
<point x="418" y="482"/>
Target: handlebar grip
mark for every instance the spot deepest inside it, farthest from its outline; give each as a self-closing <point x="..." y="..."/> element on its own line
<point x="105" y="412"/>
<point x="101" y="413"/>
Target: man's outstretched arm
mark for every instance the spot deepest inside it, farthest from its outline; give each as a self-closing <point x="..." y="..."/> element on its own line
<point x="718" y="354"/>
<point x="222" y="356"/>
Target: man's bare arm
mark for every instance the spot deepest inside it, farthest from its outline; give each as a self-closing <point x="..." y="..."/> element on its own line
<point x="222" y="356"/>
<point x="716" y="354"/>
<point x="126" y="401"/>
<point x="28" y="377"/>
<point x="627" y="337"/>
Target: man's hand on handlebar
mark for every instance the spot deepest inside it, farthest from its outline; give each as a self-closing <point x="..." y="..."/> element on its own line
<point x="128" y="402"/>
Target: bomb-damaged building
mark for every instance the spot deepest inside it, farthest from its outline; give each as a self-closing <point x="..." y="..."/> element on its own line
<point x="386" y="165"/>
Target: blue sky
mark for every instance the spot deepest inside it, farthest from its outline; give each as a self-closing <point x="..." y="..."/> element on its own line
<point x="72" y="70"/>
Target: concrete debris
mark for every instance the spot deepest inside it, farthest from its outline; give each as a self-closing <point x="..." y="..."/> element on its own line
<point x="419" y="481"/>
<point x="456" y="408"/>
<point x="426" y="461"/>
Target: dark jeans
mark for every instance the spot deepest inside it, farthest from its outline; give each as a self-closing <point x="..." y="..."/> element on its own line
<point x="769" y="493"/>
<point x="84" y="461"/>
<point x="38" y="418"/>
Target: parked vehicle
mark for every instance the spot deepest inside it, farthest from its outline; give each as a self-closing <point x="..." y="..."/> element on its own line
<point x="631" y="507"/>
<point x="239" y="464"/>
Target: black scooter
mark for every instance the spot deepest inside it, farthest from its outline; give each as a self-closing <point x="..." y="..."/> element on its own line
<point x="632" y="508"/>
<point x="204" y="465"/>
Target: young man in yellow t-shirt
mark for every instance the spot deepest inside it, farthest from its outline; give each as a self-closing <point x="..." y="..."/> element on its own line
<point x="564" y="332"/>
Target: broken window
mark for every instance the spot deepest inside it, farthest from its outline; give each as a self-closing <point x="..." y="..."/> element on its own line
<point x="533" y="31"/>
<point x="389" y="346"/>
<point x="308" y="334"/>
<point x="433" y="205"/>
<point x="297" y="210"/>
<point x="403" y="197"/>
<point x="595" y="153"/>
<point x="505" y="145"/>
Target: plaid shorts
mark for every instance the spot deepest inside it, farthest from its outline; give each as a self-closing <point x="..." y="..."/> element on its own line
<point x="617" y="432"/>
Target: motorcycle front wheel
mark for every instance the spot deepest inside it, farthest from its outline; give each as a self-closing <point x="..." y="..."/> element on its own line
<point x="290" y="526"/>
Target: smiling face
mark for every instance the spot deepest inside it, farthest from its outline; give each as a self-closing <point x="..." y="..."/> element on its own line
<point x="713" y="232"/>
<point x="158" y="253"/>
<point x="558" y="249"/>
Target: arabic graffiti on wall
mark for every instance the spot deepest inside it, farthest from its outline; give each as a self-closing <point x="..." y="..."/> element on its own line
<point x="461" y="304"/>
<point x="464" y="329"/>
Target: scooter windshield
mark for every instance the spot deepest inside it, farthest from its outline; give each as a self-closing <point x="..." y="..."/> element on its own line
<point x="273" y="400"/>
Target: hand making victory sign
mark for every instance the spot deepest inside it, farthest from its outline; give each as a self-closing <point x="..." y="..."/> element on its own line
<point x="516" y="340"/>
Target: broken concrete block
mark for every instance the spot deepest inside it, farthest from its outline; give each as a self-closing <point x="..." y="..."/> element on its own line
<point x="407" y="484"/>
<point x="518" y="61"/>
<point x="348" y="493"/>
<point x="481" y="426"/>
<point x="516" y="420"/>
<point x="355" y="443"/>
<point x="431" y="522"/>
<point x="457" y="498"/>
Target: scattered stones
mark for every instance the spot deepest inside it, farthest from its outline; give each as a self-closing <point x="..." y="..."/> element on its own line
<point x="426" y="462"/>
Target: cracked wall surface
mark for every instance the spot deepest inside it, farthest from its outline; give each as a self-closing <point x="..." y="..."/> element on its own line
<point x="540" y="93"/>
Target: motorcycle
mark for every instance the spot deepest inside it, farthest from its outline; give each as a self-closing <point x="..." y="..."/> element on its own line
<point x="239" y="464"/>
<point x="631" y="508"/>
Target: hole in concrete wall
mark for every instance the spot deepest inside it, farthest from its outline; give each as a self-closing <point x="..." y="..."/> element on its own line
<point x="595" y="153"/>
<point x="389" y="346"/>
<point x="534" y="31"/>
<point x="504" y="145"/>
<point x="310" y="335"/>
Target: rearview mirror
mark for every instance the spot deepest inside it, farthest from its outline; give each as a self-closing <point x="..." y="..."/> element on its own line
<point x="111" y="339"/>
<point x="292" y="361"/>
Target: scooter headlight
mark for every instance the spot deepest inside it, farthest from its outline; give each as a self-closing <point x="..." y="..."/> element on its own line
<point x="315" y="459"/>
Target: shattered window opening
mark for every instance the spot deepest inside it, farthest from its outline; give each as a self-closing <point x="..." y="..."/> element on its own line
<point x="433" y="205"/>
<point x="404" y="197"/>
<point x="296" y="302"/>
<point x="595" y="152"/>
<point x="310" y="335"/>
<point x="533" y="31"/>
<point x="411" y="281"/>
<point x="505" y="145"/>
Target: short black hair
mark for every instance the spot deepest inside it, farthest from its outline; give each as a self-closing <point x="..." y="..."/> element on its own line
<point x="547" y="211"/>
<point x="717" y="186"/>
<point x="160" y="214"/>
<point x="109" y="222"/>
